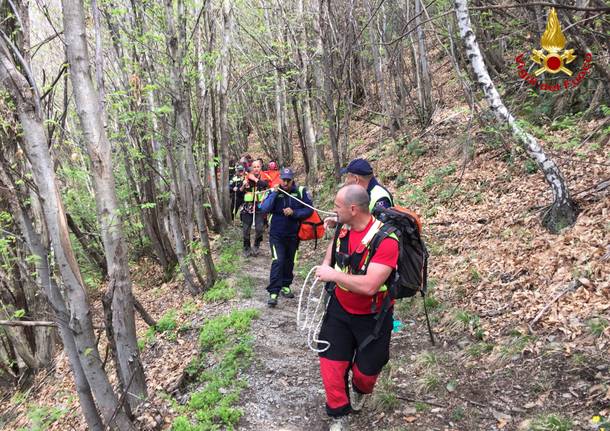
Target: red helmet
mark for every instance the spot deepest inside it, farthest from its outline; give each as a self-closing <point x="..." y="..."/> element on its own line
<point x="272" y="166"/>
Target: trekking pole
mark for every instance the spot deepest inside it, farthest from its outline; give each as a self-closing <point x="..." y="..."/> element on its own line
<point x="254" y="209"/>
<point x="423" y="295"/>
<point x="235" y="209"/>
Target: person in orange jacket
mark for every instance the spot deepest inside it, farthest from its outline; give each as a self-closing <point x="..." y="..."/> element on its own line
<point x="274" y="174"/>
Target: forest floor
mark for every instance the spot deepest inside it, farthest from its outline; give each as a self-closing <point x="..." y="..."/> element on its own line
<point x="494" y="270"/>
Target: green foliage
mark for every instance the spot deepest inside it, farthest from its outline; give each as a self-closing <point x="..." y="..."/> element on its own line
<point x="221" y="291"/>
<point x="530" y="166"/>
<point x="416" y="149"/>
<point x="167" y="322"/>
<point x="213" y="406"/>
<point x="597" y="326"/>
<point x="245" y="284"/>
<point x="189" y="308"/>
<point x="515" y="345"/>
<point x="229" y="257"/>
<point x="429" y="382"/>
<point x="551" y="422"/>
<point x="42" y="417"/>
<point x="458" y="413"/>
<point x="437" y="176"/>
<point x="479" y="349"/>
<point x="216" y="332"/>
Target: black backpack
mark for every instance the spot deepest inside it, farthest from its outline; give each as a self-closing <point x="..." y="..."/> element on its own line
<point x="411" y="274"/>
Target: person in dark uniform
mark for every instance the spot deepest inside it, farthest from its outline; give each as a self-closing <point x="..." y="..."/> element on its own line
<point x="285" y="215"/>
<point x="237" y="195"/>
<point x="359" y="171"/>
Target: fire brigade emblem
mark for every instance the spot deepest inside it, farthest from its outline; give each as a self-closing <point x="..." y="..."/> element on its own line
<point x="553" y="41"/>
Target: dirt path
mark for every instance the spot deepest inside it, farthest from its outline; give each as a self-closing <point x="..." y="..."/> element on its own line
<point x="284" y="388"/>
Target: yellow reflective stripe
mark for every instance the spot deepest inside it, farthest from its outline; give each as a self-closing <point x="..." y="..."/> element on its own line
<point x="273" y="253"/>
<point x="296" y="257"/>
<point x="249" y="197"/>
<point x="377" y="193"/>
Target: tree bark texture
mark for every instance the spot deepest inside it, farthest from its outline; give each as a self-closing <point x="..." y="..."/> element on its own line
<point x="36" y="149"/>
<point x="91" y="116"/>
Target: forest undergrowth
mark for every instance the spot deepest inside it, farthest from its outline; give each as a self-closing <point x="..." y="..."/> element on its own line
<point x="521" y="316"/>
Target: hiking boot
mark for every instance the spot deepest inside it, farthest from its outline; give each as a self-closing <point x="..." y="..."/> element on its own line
<point x="287" y="292"/>
<point x="339" y="424"/>
<point x="358" y="400"/>
<point x="272" y="301"/>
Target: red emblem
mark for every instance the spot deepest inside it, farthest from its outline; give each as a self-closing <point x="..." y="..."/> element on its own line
<point x="343" y="233"/>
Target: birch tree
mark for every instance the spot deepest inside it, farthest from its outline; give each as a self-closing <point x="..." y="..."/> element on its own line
<point x="563" y="211"/>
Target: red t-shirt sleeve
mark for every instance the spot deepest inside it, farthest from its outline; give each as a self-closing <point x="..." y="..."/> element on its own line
<point x="387" y="253"/>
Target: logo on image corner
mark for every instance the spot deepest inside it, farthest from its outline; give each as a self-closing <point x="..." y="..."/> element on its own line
<point x="553" y="59"/>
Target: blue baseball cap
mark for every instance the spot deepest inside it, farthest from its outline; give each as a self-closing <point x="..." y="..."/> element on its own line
<point x="358" y="167"/>
<point x="286" y="174"/>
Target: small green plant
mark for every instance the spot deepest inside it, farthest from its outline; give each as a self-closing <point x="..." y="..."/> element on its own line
<point x="230" y="257"/>
<point x="245" y="284"/>
<point x="167" y="322"/>
<point x="475" y="277"/>
<point x="479" y="349"/>
<point x="530" y="166"/>
<point x="427" y="359"/>
<point x="467" y="320"/>
<point x="221" y="291"/>
<point x="597" y="326"/>
<point x="458" y="413"/>
<point x="42" y="417"/>
<point x="430" y="381"/>
<point x="415" y="148"/>
<point x="385" y="393"/>
<point x="551" y="422"/>
<point x="189" y="308"/>
<point x="437" y="176"/>
<point x="515" y="345"/>
<point x="213" y="406"/>
<point x="421" y="407"/>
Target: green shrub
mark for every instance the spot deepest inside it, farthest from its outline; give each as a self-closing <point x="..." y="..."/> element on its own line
<point x="221" y="291"/>
<point x="167" y="322"/>
<point x="551" y="422"/>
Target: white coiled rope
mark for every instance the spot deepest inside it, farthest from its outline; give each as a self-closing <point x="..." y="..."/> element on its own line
<point x="312" y="316"/>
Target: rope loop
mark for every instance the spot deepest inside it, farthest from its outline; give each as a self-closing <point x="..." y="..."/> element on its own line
<point x="311" y="318"/>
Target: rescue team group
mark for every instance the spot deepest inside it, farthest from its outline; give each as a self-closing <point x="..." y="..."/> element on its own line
<point x="349" y="318"/>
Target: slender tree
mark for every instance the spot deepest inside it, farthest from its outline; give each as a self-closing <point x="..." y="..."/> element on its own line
<point x="563" y="211"/>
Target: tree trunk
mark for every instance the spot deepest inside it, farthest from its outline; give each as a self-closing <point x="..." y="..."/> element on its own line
<point x="563" y="211"/>
<point x="91" y="116"/>
<point x="44" y="176"/>
<point x="329" y="105"/>
<point x="424" y="87"/>
<point x="209" y="170"/>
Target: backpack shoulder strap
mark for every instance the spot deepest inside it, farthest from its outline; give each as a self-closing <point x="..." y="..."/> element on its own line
<point x="383" y="233"/>
<point x="333" y="258"/>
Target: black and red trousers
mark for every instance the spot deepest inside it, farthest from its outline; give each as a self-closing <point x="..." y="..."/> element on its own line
<point x="346" y="332"/>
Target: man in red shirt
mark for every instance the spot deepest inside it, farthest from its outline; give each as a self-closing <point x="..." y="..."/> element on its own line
<point x="354" y="305"/>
